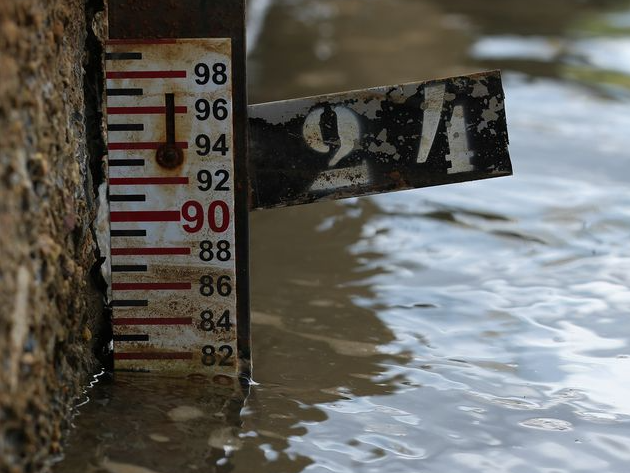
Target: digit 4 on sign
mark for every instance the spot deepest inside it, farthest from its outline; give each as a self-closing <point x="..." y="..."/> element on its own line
<point x="171" y="168"/>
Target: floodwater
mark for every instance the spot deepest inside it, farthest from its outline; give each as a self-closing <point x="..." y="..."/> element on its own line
<point x="479" y="327"/>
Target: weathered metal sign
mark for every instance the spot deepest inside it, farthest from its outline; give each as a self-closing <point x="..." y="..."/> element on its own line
<point x="179" y="187"/>
<point x="378" y="140"/>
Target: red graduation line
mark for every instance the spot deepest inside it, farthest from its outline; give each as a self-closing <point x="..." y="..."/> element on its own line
<point x="148" y="286"/>
<point x="131" y="181"/>
<point x="145" y="74"/>
<point x="141" y="41"/>
<point x="142" y="145"/>
<point x="143" y="110"/>
<point x="171" y="355"/>
<point x="175" y="250"/>
<point x="152" y="321"/>
<point x="145" y="216"/>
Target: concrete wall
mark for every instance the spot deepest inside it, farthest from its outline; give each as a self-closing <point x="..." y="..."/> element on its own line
<point x="50" y="150"/>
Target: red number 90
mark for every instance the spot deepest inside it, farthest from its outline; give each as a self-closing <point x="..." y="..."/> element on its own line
<point x="192" y="212"/>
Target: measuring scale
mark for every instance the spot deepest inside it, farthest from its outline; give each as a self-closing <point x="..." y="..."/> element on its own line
<point x="172" y="199"/>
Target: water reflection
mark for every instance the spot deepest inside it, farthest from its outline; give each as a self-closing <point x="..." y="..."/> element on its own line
<point x="478" y="327"/>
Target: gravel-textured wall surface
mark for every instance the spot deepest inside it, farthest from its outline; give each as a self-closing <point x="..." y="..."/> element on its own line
<point x="50" y="305"/>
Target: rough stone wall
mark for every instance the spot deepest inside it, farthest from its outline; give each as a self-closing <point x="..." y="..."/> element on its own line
<point x="49" y="144"/>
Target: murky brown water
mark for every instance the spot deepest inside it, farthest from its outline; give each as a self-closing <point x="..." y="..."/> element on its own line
<point x="477" y="327"/>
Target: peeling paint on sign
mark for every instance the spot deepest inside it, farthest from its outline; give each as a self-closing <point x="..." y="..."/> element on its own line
<point x="378" y="140"/>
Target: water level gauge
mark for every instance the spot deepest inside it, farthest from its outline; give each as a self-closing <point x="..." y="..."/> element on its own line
<point x="172" y="195"/>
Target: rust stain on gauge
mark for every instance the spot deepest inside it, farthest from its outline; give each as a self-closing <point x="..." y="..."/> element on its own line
<point x="378" y="140"/>
<point x="172" y="206"/>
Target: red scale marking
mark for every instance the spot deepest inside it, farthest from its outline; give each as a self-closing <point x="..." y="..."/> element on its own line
<point x="156" y="181"/>
<point x="143" y="110"/>
<point x="142" y="145"/>
<point x="146" y="216"/>
<point x="148" y="286"/>
<point x="146" y="75"/>
<point x="152" y="321"/>
<point x="150" y="251"/>
<point x="141" y="41"/>
<point x="153" y="356"/>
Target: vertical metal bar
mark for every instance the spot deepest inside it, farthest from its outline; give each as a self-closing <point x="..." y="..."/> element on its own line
<point x="169" y="100"/>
